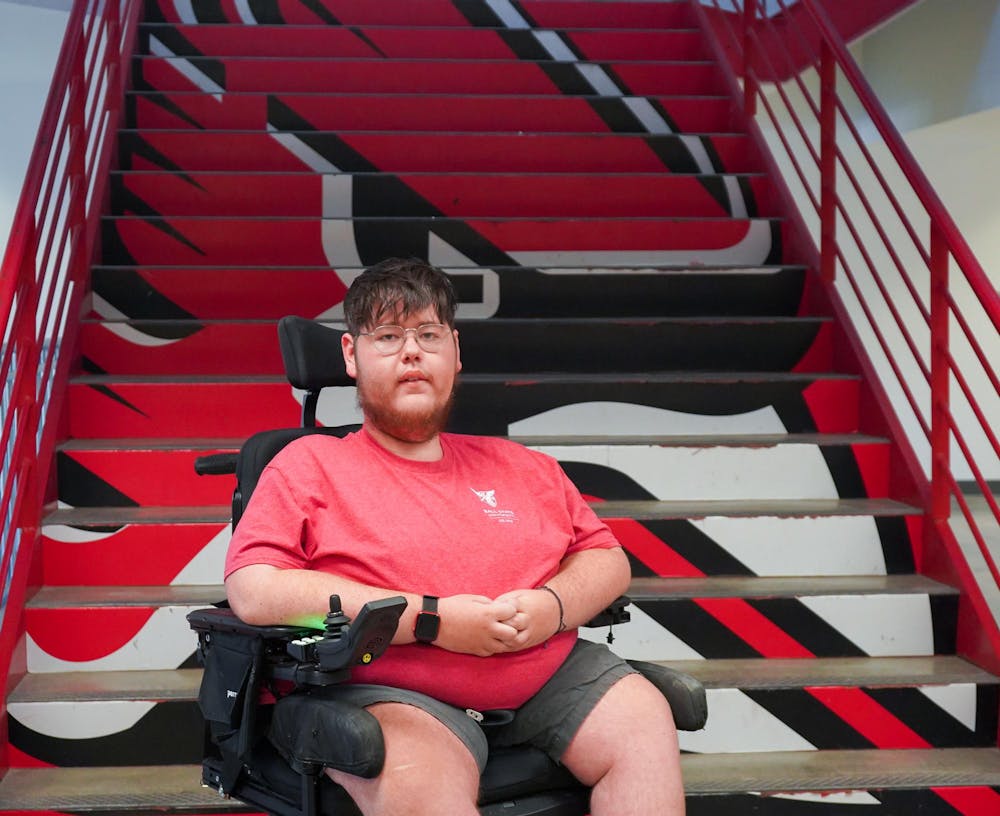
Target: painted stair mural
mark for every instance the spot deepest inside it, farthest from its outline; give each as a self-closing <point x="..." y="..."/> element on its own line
<point x="633" y="302"/>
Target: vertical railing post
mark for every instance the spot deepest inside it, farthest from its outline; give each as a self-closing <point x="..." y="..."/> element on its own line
<point x="828" y="163"/>
<point x="940" y="507"/>
<point x="749" y="79"/>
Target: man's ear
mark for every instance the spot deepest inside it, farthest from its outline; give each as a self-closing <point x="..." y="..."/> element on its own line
<point x="458" y="352"/>
<point x="347" y="347"/>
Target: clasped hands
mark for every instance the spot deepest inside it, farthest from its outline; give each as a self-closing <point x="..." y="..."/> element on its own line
<point x="482" y="626"/>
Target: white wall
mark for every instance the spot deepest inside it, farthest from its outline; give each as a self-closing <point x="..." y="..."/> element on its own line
<point x="30" y="37"/>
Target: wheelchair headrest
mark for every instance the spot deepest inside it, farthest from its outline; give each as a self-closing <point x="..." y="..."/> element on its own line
<point x="311" y="353"/>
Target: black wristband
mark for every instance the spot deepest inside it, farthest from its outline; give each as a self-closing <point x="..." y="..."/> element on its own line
<point x="562" y="622"/>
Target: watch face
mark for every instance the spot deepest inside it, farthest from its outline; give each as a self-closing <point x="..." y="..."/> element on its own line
<point x="426" y="628"/>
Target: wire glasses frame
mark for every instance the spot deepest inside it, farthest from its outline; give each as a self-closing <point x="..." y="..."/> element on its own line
<point x="390" y="339"/>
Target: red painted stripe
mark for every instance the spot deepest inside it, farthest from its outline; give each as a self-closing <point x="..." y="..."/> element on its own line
<point x="971" y="801"/>
<point x="753" y="627"/>
<point x="869" y="718"/>
<point x="650" y="549"/>
<point x="111" y="561"/>
<point x="96" y="633"/>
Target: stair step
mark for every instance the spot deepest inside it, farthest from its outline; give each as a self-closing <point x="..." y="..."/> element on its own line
<point x="543" y="13"/>
<point x="428" y="112"/>
<point x="142" y="790"/>
<point x="89" y="517"/>
<point x="500" y="344"/>
<point x="739" y="673"/>
<point x="303" y="147"/>
<point x="113" y="407"/>
<point x="454" y="195"/>
<point x="410" y="42"/>
<point x="292" y="74"/>
<point x="233" y="292"/>
<point x="665" y="589"/>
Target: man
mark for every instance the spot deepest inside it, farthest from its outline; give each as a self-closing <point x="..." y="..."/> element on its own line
<point x="492" y="534"/>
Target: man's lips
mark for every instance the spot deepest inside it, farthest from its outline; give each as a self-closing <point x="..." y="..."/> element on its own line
<point x="413" y="377"/>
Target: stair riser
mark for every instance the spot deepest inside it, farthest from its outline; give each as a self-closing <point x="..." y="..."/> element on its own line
<point x="443" y="113"/>
<point x="543" y="13"/>
<point x="872" y="801"/>
<point x="112" y="478"/>
<point x="140" y="638"/>
<point x="789" y="719"/>
<point x="228" y="349"/>
<point x="454" y="196"/>
<point x="268" y="294"/>
<point x="337" y="241"/>
<point x="178" y="554"/>
<point x="331" y="42"/>
<point x="303" y="75"/>
<point x="359" y="152"/>
<point x="231" y="410"/>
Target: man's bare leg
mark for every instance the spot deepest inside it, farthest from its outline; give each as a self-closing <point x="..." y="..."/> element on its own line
<point x="428" y="769"/>
<point x="627" y="751"/>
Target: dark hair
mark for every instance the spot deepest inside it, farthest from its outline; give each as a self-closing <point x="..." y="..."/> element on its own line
<point x="399" y="287"/>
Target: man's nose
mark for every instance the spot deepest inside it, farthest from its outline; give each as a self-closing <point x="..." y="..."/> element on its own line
<point x="410" y="345"/>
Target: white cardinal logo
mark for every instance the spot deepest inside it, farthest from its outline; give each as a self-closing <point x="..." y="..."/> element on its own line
<point x="486" y="496"/>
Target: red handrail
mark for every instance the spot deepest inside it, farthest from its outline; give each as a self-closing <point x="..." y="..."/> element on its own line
<point x="44" y="273"/>
<point x="819" y="139"/>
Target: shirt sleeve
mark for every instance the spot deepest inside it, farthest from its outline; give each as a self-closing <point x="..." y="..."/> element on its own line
<point x="589" y="532"/>
<point x="272" y="528"/>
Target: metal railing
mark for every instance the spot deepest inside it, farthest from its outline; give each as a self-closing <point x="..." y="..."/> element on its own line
<point x="44" y="273"/>
<point x="919" y="301"/>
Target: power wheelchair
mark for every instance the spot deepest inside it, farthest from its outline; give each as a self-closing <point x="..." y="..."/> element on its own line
<point x="260" y="680"/>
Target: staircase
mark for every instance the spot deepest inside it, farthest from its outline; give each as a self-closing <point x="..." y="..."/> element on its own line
<point x="634" y="302"/>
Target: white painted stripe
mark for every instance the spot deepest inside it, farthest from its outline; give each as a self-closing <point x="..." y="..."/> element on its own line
<point x="625" y="419"/>
<point x="338" y="195"/>
<point x="879" y="625"/>
<point x="132" y="335"/>
<point x="245" y="12"/>
<point x="770" y="546"/>
<point x="508" y="15"/>
<point x="696" y="147"/>
<point x="294" y="145"/>
<point x="643" y="639"/>
<point x="554" y="44"/>
<point x="185" y="11"/>
<point x="207" y="567"/>
<point x="720" y="473"/>
<point x="648" y="116"/>
<point x="599" y="79"/>
<point x="164" y="642"/>
<point x="957" y="700"/>
<point x="859" y="798"/>
<point x="74" y="721"/>
<point x="737" y="204"/>
<point x="751" y="250"/>
<point x="736" y="724"/>
<point x="186" y="68"/>
<point x="72" y="535"/>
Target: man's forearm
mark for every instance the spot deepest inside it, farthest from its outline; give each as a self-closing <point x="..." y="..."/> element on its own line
<point x="588" y="582"/>
<point x="263" y="595"/>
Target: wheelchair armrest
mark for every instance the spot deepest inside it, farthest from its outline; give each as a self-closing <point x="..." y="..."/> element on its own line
<point x="215" y="464"/>
<point x="684" y="693"/>
<point x="611" y="615"/>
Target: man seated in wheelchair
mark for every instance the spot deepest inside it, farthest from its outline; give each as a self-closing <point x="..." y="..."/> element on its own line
<point x="497" y="554"/>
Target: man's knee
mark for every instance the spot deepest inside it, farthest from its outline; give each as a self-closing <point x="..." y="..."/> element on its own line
<point x="426" y="767"/>
<point x="631" y="722"/>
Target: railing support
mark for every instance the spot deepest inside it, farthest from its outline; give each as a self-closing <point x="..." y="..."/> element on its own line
<point x="828" y="163"/>
<point x="940" y="436"/>
<point x="749" y="79"/>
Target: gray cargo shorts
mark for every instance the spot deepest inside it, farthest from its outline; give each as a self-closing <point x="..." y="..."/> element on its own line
<point x="548" y="721"/>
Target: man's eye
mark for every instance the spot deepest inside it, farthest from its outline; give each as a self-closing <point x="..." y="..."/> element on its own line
<point x="387" y="336"/>
<point x="431" y="335"/>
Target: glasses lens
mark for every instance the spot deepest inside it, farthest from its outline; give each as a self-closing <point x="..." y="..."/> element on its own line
<point x="390" y="339"/>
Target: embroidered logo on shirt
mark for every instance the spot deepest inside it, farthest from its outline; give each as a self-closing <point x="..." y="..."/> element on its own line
<point x="486" y="496"/>
<point x="499" y="515"/>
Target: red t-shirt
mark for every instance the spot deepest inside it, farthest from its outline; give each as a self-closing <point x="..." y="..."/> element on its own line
<point x="490" y="516"/>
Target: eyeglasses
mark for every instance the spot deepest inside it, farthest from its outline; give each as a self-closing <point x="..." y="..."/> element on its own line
<point x="391" y="339"/>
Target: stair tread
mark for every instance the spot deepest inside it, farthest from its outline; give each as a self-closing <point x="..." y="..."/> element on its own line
<point x="177" y="787"/>
<point x="739" y="673"/>
<point x="772" y="673"/>
<point x="634" y="509"/>
<point x="640" y="589"/>
<point x="568" y="440"/>
<point x="741" y="586"/>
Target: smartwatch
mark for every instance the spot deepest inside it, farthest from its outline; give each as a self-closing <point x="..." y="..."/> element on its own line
<point x="425" y="630"/>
